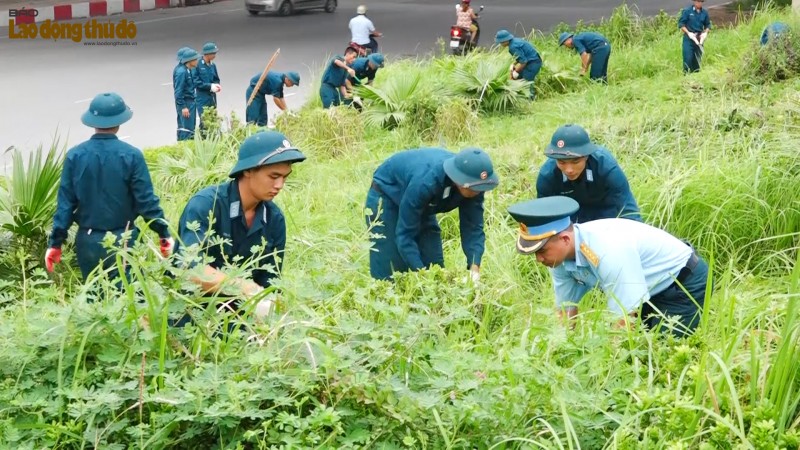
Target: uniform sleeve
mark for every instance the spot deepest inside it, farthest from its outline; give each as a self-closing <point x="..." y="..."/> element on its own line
<point x="684" y="18"/>
<point x="147" y="202"/>
<point x="179" y="86"/>
<point x="473" y="239"/>
<point x="216" y="74"/>
<point x="622" y="279"/>
<point x="580" y="48"/>
<point x="707" y="21"/>
<point x="545" y="183"/>
<point x="65" y="206"/>
<point x="412" y="205"/>
<point x="193" y="225"/>
<point x="274" y="258"/>
<point x="620" y="197"/>
<point x="517" y="53"/>
<point x="567" y="289"/>
<point x="198" y="80"/>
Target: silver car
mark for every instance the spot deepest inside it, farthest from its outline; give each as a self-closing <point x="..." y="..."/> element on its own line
<point x="287" y="7"/>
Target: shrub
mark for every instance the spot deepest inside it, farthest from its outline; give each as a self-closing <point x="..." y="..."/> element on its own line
<point x="778" y="60"/>
<point x="28" y="200"/>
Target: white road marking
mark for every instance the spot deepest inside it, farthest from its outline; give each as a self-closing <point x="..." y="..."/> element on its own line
<point x="122" y="138"/>
<point x="166" y="84"/>
<point x="233" y="10"/>
<point x="169" y="18"/>
<point x="290" y="94"/>
<point x="83" y="101"/>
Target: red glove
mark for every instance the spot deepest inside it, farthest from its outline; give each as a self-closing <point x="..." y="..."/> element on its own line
<point x="51" y="257"/>
<point x="167" y="245"/>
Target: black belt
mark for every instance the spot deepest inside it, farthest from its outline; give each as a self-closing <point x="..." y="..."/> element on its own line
<point x="687" y="270"/>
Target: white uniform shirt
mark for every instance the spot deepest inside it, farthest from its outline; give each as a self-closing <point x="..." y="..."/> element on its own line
<point x="628" y="260"/>
<point x="360" y="28"/>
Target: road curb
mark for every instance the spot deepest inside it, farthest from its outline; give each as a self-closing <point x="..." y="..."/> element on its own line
<point x="91" y="9"/>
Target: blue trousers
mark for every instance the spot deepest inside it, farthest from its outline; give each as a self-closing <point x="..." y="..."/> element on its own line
<point x="385" y="257"/>
<point x="330" y="95"/>
<point x="691" y="55"/>
<point x="91" y="253"/>
<point x="529" y="73"/>
<point x="186" y="124"/>
<point x="203" y="102"/>
<point x="599" y="69"/>
<point x="673" y="301"/>
<point x="257" y="111"/>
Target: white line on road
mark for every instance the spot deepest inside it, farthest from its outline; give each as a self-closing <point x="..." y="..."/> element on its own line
<point x="169" y="18"/>
<point x="166" y="84"/>
<point x="290" y="94"/>
<point x="233" y="10"/>
<point x="123" y="138"/>
<point x="84" y="100"/>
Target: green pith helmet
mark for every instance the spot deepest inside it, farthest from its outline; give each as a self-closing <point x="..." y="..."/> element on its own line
<point x="570" y="142"/>
<point x="106" y="110"/>
<point x="472" y="169"/>
<point x="263" y="149"/>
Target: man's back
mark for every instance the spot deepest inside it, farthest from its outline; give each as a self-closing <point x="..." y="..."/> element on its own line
<point x="360" y="28"/>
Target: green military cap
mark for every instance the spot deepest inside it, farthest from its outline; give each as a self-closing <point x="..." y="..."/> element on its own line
<point x="541" y="219"/>
<point x="563" y="37"/>
<point x="107" y="110"/>
<point x="210" y="48"/>
<point x="294" y="77"/>
<point x="189" y="54"/>
<point x="472" y="169"/>
<point x="503" y="36"/>
<point x="263" y="149"/>
<point x="570" y="142"/>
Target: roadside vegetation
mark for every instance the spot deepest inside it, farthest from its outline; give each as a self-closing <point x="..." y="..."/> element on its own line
<point x="431" y="361"/>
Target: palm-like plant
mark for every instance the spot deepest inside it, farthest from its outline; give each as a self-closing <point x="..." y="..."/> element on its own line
<point x="391" y="104"/>
<point x="487" y="82"/>
<point x="28" y="199"/>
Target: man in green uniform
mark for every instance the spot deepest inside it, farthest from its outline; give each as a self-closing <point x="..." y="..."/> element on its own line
<point x="243" y="214"/>
<point x="594" y="50"/>
<point x="105" y="186"/>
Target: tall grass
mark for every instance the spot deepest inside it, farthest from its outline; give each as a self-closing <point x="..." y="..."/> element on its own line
<point x="431" y="361"/>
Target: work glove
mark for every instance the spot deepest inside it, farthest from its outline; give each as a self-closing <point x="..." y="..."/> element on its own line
<point x="51" y="257"/>
<point x="703" y="36"/>
<point x="351" y="72"/>
<point x="215" y="87"/>
<point x="693" y="37"/>
<point x="511" y="67"/>
<point x="514" y="75"/>
<point x="265" y="307"/>
<point x="167" y="245"/>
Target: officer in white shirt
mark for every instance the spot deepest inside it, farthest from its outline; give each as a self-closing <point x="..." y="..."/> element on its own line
<point x="363" y="30"/>
<point x="643" y="270"/>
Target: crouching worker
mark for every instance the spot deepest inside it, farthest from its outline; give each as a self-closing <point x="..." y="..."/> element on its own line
<point x="407" y="192"/>
<point x="244" y="214"/>
<point x="643" y="270"/>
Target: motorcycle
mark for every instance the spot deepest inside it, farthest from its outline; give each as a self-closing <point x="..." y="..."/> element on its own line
<point x="368" y="49"/>
<point x="461" y="38"/>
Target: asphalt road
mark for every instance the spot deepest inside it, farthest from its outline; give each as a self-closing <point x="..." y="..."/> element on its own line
<point x="48" y="84"/>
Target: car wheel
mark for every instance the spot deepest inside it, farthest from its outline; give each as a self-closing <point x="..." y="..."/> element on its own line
<point x="330" y="6"/>
<point x="252" y="12"/>
<point x="285" y="9"/>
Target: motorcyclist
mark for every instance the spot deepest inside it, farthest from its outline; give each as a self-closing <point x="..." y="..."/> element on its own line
<point x="465" y="18"/>
<point x="363" y="32"/>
